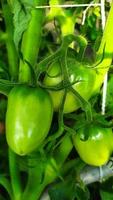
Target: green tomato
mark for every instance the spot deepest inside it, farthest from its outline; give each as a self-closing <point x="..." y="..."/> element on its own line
<point x="28" y="118"/>
<point x="83" y="77"/>
<point x="97" y="149"/>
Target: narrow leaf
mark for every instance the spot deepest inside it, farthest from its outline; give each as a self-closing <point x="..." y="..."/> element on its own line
<point x="6" y="184"/>
<point x="106" y="195"/>
<point x="22" y="15"/>
<point x="6" y="86"/>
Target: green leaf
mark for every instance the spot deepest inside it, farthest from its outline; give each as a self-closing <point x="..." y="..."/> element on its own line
<point x="1" y="197"/>
<point x="81" y="193"/>
<point x="3" y="71"/>
<point x="5" y="86"/>
<point x="6" y="184"/>
<point x="106" y="195"/>
<point x="109" y="98"/>
<point x="82" y="1"/>
<point x="61" y="191"/>
<point x="3" y="106"/>
<point x="106" y="189"/>
<point x="22" y="15"/>
<point x="68" y="190"/>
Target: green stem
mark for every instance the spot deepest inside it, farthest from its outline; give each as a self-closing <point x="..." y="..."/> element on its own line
<point x="51" y="171"/>
<point x="53" y="168"/>
<point x="34" y="185"/>
<point x="15" y="175"/>
<point x="63" y="150"/>
<point x="66" y="41"/>
<point x="11" y="50"/>
<point x="31" y="42"/>
<point x="6" y="184"/>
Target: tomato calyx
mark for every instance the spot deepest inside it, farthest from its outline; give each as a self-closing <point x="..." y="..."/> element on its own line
<point x="80" y="122"/>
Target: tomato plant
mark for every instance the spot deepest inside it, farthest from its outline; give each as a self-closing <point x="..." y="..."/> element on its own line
<point x="51" y="86"/>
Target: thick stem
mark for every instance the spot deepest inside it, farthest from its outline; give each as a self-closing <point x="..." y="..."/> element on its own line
<point x="106" y="46"/>
<point x="15" y="175"/>
<point x="31" y="42"/>
<point x="51" y="171"/>
<point x="34" y="186"/>
<point x="63" y="150"/>
<point x="55" y="164"/>
<point x="105" y="52"/>
<point x="6" y="184"/>
<point x="11" y="50"/>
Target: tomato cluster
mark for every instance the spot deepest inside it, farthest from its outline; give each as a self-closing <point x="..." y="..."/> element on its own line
<point x="30" y="110"/>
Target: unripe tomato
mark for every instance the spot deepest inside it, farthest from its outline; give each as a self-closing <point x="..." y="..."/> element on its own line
<point x="82" y="76"/>
<point x="96" y="150"/>
<point x="28" y="118"/>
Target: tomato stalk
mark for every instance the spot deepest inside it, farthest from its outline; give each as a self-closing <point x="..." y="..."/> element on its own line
<point x="31" y="42"/>
<point x="34" y="186"/>
<point x="15" y="175"/>
<point x="63" y="150"/>
<point x="6" y="184"/>
<point x="39" y="176"/>
<point x="54" y="166"/>
<point x="84" y="104"/>
<point x="11" y="50"/>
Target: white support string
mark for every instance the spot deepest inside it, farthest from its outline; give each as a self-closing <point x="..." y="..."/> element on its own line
<point x="67" y="5"/>
<point x="85" y="12"/>
<point x="103" y="15"/>
<point x="104" y="91"/>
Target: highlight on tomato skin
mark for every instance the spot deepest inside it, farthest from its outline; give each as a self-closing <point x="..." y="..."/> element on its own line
<point x="28" y="118"/>
<point x="97" y="149"/>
